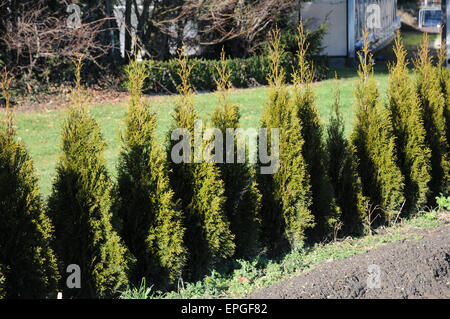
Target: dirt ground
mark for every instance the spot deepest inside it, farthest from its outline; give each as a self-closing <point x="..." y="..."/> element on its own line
<point x="415" y="268"/>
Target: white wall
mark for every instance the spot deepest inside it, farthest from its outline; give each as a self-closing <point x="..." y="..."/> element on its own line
<point x="334" y="13"/>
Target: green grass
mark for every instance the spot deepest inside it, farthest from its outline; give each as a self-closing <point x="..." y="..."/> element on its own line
<point x="245" y="277"/>
<point x="40" y="130"/>
<point x="412" y="40"/>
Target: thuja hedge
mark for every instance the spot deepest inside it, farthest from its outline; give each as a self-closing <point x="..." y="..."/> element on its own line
<point x="164" y="221"/>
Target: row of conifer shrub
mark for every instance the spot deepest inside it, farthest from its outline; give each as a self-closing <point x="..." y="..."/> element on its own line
<point x="166" y="221"/>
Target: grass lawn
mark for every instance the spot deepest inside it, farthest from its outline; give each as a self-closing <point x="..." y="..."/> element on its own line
<point x="40" y="130"/>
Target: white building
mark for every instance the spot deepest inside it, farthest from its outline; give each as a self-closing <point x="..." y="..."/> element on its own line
<point x="346" y="19"/>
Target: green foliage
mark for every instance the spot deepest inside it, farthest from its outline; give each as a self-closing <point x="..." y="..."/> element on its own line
<point x="342" y="170"/>
<point x="201" y="190"/>
<point x="447" y="106"/>
<point x="243" y="200"/>
<point x="286" y="195"/>
<point x="314" y="39"/>
<point x="28" y="262"/>
<point x="248" y="72"/>
<point x="289" y="40"/>
<point x="80" y="206"/>
<point x="374" y="142"/>
<point x="143" y="292"/>
<point x="28" y="266"/>
<point x="443" y="202"/>
<point x="152" y="226"/>
<point x="163" y="75"/>
<point x="248" y="276"/>
<point x="433" y="109"/>
<point x="444" y="81"/>
<point x="413" y="156"/>
<point x="304" y="107"/>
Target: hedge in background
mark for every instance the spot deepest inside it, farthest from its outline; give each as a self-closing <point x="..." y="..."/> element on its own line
<point x="28" y="266"/>
<point x="413" y="156"/>
<point x="286" y="195"/>
<point x="163" y="75"/>
<point x="243" y="200"/>
<point x="80" y="207"/>
<point x="374" y="141"/>
<point x="152" y="225"/>
<point x="342" y="170"/>
<point x="303" y="103"/>
<point x="201" y="191"/>
<point x="432" y="105"/>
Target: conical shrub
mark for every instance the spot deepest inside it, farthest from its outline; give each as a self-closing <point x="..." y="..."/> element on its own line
<point x="28" y="266"/>
<point x="374" y="142"/>
<point x="303" y="103"/>
<point x="80" y="206"/>
<point x="444" y="80"/>
<point x="199" y="187"/>
<point x="432" y="105"/>
<point x="151" y="222"/>
<point x="243" y="200"/>
<point x="286" y="194"/>
<point x="342" y="170"/>
<point x="413" y="154"/>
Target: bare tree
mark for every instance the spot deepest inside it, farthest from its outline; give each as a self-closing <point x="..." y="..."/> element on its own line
<point x="35" y="35"/>
<point x="164" y="22"/>
<point x="249" y="20"/>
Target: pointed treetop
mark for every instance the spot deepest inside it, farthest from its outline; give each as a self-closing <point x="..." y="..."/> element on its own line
<point x="5" y="85"/>
<point x="423" y="55"/>
<point x="276" y="76"/>
<point x="304" y="75"/>
<point x="80" y="98"/>
<point x="223" y="80"/>
<point x="366" y="63"/>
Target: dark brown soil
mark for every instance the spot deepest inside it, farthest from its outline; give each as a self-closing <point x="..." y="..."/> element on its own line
<point x="408" y="269"/>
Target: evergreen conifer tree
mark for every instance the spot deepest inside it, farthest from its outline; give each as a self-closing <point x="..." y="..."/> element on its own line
<point x="432" y="105"/>
<point x="152" y="226"/>
<point x="286" y="195"/>
<point x="326" y="215"/>
<point x="28" y="266"/>
<point x="342" y="170"/>
<point x="80" y="206"/>
<point x="374" y="143"/>
<point x="403" y="105"/>
<point x="444" y="79"/>
<point x="201" y="190"/>
<point x="243" y="200"/>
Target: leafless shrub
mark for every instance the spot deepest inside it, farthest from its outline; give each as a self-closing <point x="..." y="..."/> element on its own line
<point x="35" y="35"/>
